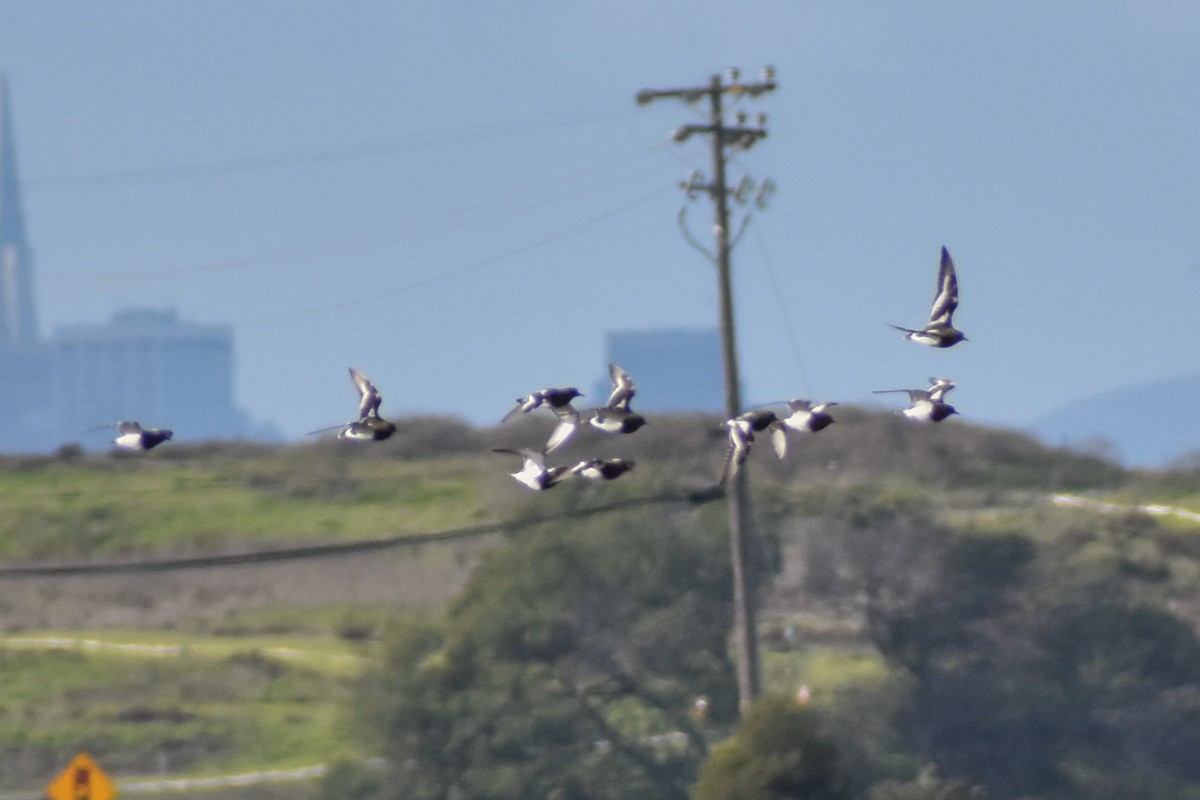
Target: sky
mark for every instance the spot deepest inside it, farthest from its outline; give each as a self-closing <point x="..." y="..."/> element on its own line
<point x="461" y="198"/>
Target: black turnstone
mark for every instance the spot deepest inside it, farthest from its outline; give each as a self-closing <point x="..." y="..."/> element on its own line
<point x="369" y="427"/>
<point x="808" y="417"/>
<point x="534" y="473"/>
<point x="925" y="405"/>
<point x="741" y="434"/>
<point x="616" y="416"/>
<point x="940" y="332"/>
<point x="132" y="436"/>
<point x="804" y="417"/>
<point x="602" y="469"/>
<point x="558" y="400"/>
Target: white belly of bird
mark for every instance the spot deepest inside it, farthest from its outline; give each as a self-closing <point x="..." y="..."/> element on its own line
<point x="129" y="441"/>
<point x="922" y="411"/>
<point x="609" y="424"/>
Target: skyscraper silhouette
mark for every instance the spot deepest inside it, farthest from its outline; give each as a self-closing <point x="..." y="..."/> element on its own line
<point x="18" y="320"/>
<point x="141" y="363"/>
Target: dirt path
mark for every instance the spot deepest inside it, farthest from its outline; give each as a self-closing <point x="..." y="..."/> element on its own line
<point x="1152" y="509"/>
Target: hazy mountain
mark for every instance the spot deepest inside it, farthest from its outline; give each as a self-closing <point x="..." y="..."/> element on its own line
<point x="1147" y="425"/>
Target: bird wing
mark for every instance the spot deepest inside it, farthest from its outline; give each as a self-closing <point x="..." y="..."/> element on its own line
<point x="914" y="395"/>
<point x="797" y="404"/>
<point x="369" y="398"/>
<point x="779" y="440"/>
<point x="524" y="406"/>
<point x="566" y="413"/>
<point x="623" y="388"/>
<point x="530" y="456"/>
<point x="558" y="474"/>
<point x="128" y="427"/>
<point x="343" y="426"/>
<point x="733" y="460"/>
<point x="938" y="387"/>
<point x="945" y="299"/>
<point x="563" y="431"/>
<point x="740" y="437"/>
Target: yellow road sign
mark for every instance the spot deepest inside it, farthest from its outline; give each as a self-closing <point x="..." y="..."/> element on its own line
<point x="82" y="780"/>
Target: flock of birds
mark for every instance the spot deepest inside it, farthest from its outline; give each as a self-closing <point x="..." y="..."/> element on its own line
<point x="616" y="416"/>
<point x="925" y="405"/>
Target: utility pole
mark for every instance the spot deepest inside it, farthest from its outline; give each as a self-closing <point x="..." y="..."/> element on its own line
<point x="723" y="137"/>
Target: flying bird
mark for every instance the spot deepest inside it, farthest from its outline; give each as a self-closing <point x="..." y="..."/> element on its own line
<point x="940" y="330"/>
<point x="741" y="434"/>
<point x="925" y="405"/>
<point x="805" y="417"/>
<point x="602" y="469"/>
<point x="938" y="388"/>
<point x="615" y="416"/>
<point x="558" y="400"/>
<point x="132" y="436"/>
<point x="534" y="473"/>
<point x="369" y="398"/>
<point x="369" y="427"/>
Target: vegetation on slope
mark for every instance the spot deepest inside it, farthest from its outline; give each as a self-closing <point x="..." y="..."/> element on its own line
<point x="904" y="560"/>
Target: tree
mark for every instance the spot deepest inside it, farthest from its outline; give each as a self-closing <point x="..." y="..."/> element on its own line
<point x="926" y="786"/>
<point x="777" y="753"/>
<point x="1033" y="682"/>
<point x="567" y="669"/>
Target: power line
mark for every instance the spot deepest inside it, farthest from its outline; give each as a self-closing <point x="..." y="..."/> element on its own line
<point x="789" y="328"/>
<point x="332" y="549"/>
<point x="479" y="132"/>
<point x="434" y="223"/>
<point x="475" y="266"/>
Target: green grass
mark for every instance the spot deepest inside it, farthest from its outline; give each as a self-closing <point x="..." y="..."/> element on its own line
<point x="260" y="687"/>
<point x="326" y="655"/>
<point x="268" y="686"/>
<point x="208" y="704"/>
<point x="127" y="508"/>
<point x="349" y="623"/>
<point x="822" y="669"/>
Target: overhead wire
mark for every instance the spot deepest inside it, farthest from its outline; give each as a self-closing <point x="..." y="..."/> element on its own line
<point x="331" y="549"/>
<point x="492" y="208"/>
<point x="495" y="207"/>
<point x="377" y="295"/>
<point x="478" y="132"/>
<point x="777" y="292"/>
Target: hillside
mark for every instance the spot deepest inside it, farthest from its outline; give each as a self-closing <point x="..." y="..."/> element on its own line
<point x="176" y="614"/>
<point x="1146" y="425"/>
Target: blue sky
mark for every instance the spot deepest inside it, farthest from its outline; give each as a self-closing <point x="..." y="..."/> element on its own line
<point x="461" y="198"/>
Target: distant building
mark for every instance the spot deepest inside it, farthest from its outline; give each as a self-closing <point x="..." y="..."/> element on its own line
<point x="676" y="369"/>
<point x="149" y="366"/>
<point x="25" y="404"/>
<point x="27" y="407"/>
<point x="18" y="323"/>
<point x="144" y="365"/>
